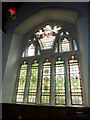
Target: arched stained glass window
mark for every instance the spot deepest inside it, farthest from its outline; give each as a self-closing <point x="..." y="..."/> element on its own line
<point x="30" y="51"/>
<point x="47" y="36"/>
<point x="21" y="83"/>
<point x="60" y="82"/>
<point x="46" y="80"/>
<point x="54" y="82"/>
<point x="75" y="81"/>
<point x="32" y="92"/>
<point x="65" y="45"/>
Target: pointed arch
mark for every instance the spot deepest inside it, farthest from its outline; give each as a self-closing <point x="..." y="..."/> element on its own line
<point x="51" y="82"/>
<point x="65" y="45"/>
<point x="29" y="51"/>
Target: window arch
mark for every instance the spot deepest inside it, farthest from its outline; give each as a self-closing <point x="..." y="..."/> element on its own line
<point x="46" y="36"/>
<point x="29" y="51"/>
<point x="65" y="45"/>
<point x="52" y="76"/>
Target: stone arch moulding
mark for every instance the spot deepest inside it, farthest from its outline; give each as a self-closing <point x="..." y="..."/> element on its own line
<point x="45" y="15"/>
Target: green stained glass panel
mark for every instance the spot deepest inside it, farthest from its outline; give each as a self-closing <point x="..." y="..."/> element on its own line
<point x="21" y="83"/>
<point x="33" y="83"/>
<point x="46" y="78"/>
<point x="75" y="82"/>
<point x="59" y="82"/>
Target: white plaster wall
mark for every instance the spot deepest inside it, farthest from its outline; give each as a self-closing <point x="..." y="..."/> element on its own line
<point x="82" y="28"/>
<point x="0" y="66"/>
<point x="11" y="68"/>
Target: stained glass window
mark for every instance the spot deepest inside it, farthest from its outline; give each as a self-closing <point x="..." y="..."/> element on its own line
<point x="54" y="82"/>
<point x="65" y="45"/>
<point x="45" y="85"/>
<point x="46" y="36"/>
<point x="30" y="51"/>
<point x="59" y="82"/>
<point x="33" y="82"/>
<point x="75" y="82"/>
<point x="21" y="83"/>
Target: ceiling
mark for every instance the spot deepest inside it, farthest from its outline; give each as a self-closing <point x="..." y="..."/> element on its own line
<point x="5" y="6"/>
<point x="34" y="6"/>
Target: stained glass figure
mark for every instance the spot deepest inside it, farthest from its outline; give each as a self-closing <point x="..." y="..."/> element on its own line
<point x="46" y="36"/>
<point x="45" y="85"/>
<point x="75" y="82"/>
<point x="33" y="83"/>
<point x="65" y="45"/>
<point x="21" y="83"/>
<point x="59" y="82"/>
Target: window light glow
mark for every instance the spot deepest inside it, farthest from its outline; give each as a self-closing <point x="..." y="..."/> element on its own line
<point x="31" y="50"/>
<point x="75" y="82"/>
<point x="64" y="45"/>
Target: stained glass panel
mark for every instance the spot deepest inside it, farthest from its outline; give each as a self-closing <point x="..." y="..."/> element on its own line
<point x="59" y="82"/>
<point x="33" y="83"/>
<point x="65" y="45"/>
<point x="21" y="83"/>
<point x="30" y="51"/>
<point x="46" y="78"/>
<point x="75" y="45"/>
<point x="75" y="82"/>
<point x="46" y="36"/>
<point x="38" y="50"/>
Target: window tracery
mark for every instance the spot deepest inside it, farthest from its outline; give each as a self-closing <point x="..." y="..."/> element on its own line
<point x="55" y="43"/>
